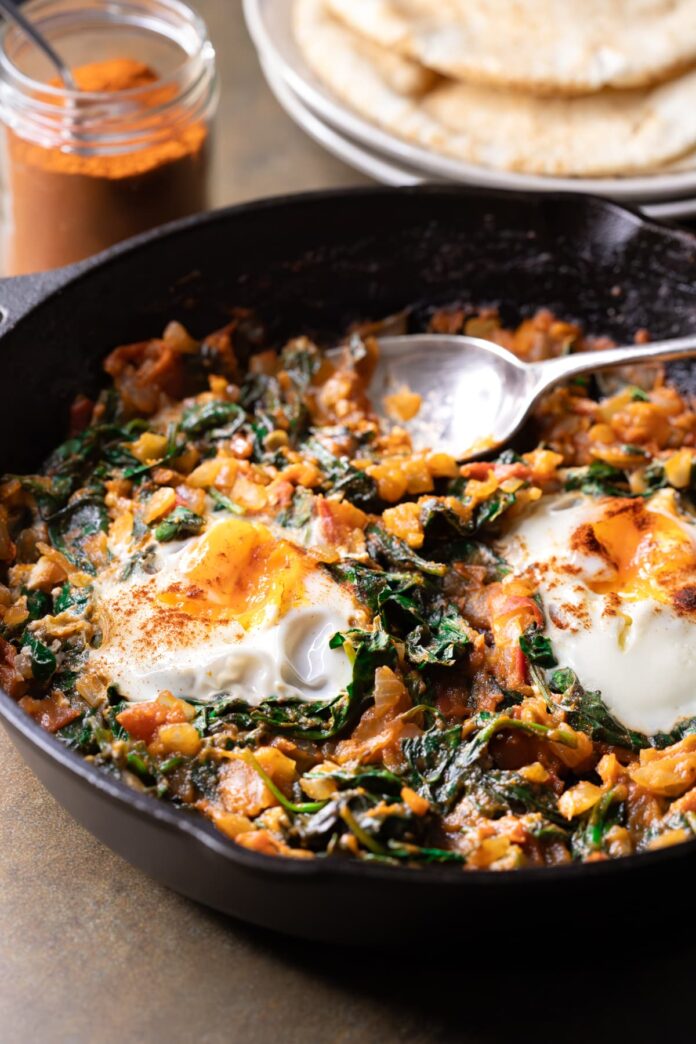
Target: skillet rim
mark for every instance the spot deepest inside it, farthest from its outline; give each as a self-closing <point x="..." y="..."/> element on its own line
<point x="30" y="292"/>
<point x="35" y="290"/>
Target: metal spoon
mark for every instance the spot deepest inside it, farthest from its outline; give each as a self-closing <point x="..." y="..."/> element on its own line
<point x="10" y="9"/>
<point x="475" y="395"/>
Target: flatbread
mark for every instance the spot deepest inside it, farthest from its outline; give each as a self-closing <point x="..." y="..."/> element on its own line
<point x="606" y="134"/>
<point x="403" y="75"/>
<point x="545" y="46"/>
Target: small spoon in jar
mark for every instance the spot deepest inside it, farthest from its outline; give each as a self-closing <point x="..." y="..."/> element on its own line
<point x="11" y="11"/>
<point x="476" y="395"/>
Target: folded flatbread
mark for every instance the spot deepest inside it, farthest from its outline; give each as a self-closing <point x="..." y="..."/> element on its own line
<point x="548" y="46"/>
<point x="609" y="133"/>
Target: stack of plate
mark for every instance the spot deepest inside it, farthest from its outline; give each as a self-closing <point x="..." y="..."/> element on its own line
<point x="393" y="160"/>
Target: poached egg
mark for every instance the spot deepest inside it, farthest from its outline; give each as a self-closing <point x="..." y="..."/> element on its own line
<point x="617" y="577"/>
<point x="235" y="610"/>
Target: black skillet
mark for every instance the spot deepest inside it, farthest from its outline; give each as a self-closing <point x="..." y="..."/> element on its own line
<point x="318" y="262"/>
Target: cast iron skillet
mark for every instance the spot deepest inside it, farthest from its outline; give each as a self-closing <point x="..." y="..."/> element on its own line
<point x="317" y="262"/>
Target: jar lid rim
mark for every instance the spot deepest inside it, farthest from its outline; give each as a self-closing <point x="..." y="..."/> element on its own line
<point x="24" y="84"/>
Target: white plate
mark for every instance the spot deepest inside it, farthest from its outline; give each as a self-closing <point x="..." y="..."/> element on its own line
<point x="356" y="156"/>
<point x="389" y="173"/>
<point x="270" y="25"/>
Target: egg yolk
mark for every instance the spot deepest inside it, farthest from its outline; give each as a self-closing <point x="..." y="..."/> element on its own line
<point x="240" y="571"/>
<point x="647" y="554"/>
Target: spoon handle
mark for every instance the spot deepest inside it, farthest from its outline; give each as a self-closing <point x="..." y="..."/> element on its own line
<point x="552" y="370"/>
<point x="12" y="11"/>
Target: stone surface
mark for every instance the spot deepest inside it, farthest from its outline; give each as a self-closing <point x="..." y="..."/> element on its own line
<point x="93" y="951"/>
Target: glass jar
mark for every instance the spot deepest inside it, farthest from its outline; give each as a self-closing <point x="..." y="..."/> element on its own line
<point x="129" y="150"/>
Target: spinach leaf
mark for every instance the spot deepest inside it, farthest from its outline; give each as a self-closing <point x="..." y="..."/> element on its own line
<point x="141" y="765"/>
<point x="496" y="792"/>
<point x="49" y="492"/>
<point x="396" y="833"/>
<point x="38" y="603"/>
<point x="318" y="720"/>
<point x="223" y="503"/>
<point x="393" y="553"/>
<point x="204" y="417"/>
<point x="440" y="760"/>
<point x="301" y="360"/>
<point x="592" y="829"/>
<point x="369" y="777"/>
<point x="598" y="480"/>
<point x="370" y="650"/>
<point x="537" y="647"/>
<point x="471" y="552"/>
<point x="654" y="478"/>
<point x="442" y="640"/>
<point x="429" y="757"/>
<point x="341" y="477"/>
<point x="490" y="510"/>
<point x="179" y="523"/>
<point x="81" y="518"/>
<point x="80" y="735"/>
<point x="410" y="609"/>
<point x="377" y="588"/>
<point x="440" y="522"/>
<point x="660" y="740"/>
<point x="43" y="660"/>
<point x="587" y="712"/>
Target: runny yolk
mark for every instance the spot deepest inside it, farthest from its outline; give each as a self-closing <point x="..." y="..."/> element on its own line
<point x="648" y="553"/>
<point x="240" y="571"/>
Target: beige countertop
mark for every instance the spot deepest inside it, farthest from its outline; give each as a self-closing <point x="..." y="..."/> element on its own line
<point x="91" y="950"/>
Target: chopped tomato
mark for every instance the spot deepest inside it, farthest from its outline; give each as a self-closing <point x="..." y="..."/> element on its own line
<point x="193" y="499"/>
<point x="219" y="347"/>
<point x="52" y="713"/>
<point x="481" y="469"/>
<point x="521" y="665"/>
<point x="280" y="493"/>
<point x="80" y="414"/>
<point x="142" y="720"/>
<point x="517" y="470"/>
<point x="511" y="615"/>
<point x="146" y="371"/>
<point x="338" y="519"/>
<point x="478" y="469"/>
<point x="517" y="605"/>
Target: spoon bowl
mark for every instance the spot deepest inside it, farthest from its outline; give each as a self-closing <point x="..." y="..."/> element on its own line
<point x="475" y="395"/>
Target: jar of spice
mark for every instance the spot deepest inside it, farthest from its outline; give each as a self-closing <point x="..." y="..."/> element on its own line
<point x="130" y="149"/>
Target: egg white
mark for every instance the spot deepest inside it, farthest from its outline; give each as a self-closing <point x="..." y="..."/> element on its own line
<point x="639" y="653"/>
<point x="148" y="646"/>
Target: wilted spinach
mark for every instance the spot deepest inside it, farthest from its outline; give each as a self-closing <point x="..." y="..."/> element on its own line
<point x="393" y="553"/>
<point x="204" y="418"/>
<point x="80" y="519"/>
<point x="179" y="523"/>
<point x="537" y="647"/>
<point x="341" y="477"/>
<point x="43" y="660"/>
<point x="587" y="712"/>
